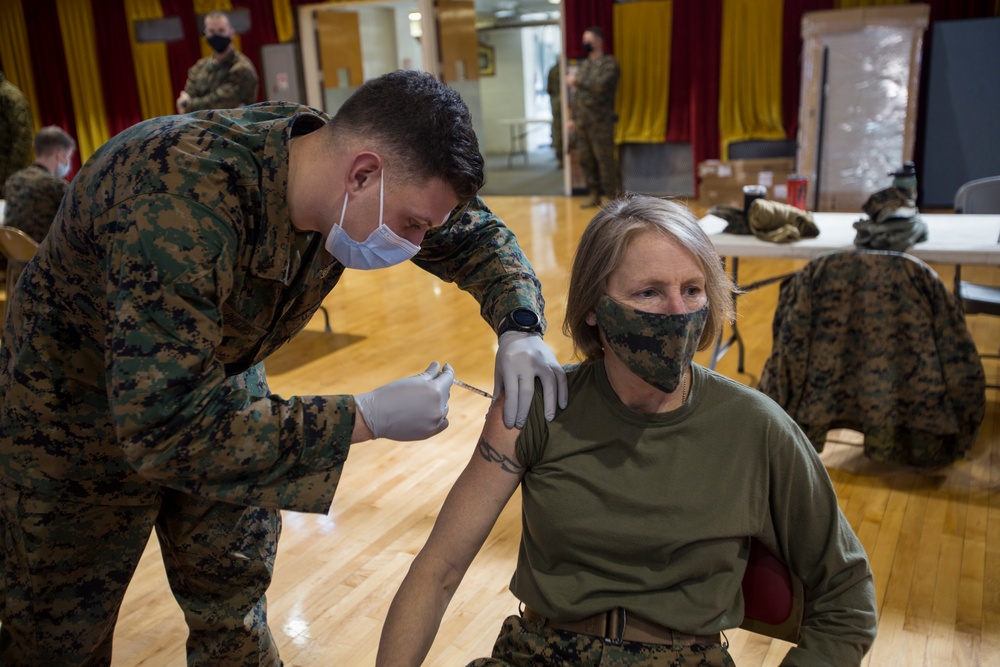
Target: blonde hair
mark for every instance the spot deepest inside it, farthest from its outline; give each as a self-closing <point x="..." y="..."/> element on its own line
<point x="602" y="247"/>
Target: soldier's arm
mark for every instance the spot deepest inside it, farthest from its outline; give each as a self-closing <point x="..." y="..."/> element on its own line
<point x="239" y="88"/>
<point x="23" y="132"/>
<point x="609" y="78"/>
<point x="195" y="82"/>
<point x="44" y="207"/>
<point x="480" y="254"/>
<point x="602" y="77"/>
<point x="179" y="420"/>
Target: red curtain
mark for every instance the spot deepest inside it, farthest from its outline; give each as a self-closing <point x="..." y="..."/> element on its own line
<point x="583" y="14"/>
<point x="114" y="57"/>
<point x="181" y="55"/>
<point x="48" y="61"/>
<point x="705" y="26"/>
<point x="262" y="32"/>
<point x="679" y="109"/>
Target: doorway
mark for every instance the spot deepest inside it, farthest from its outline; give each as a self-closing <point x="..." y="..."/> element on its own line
<point x="495" y="53"/>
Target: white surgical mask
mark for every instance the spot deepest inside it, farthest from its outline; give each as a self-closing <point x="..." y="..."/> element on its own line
<point x="62" y="169"/>
<point x="381" y="249"/>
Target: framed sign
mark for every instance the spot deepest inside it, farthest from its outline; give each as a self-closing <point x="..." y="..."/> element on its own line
<point x="487" y="60"/>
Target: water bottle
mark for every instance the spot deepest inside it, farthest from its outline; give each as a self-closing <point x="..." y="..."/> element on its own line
<point x="906" y="179"/>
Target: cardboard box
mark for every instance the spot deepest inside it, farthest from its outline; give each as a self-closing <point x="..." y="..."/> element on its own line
<point x="722" y="182"/>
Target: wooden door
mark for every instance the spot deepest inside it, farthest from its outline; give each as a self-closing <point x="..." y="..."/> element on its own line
<point x="340" y="49"/>
<point x="457" y="40"/>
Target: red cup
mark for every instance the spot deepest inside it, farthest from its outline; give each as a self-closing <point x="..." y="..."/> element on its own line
<point x="798" y="185"/>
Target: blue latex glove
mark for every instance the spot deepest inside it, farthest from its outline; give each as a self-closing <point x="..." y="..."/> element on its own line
<point x="521" y="358"/>
<point x="413" y="408"/>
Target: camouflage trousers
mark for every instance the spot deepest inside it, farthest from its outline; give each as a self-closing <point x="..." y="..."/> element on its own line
<point x="557" y="130"/>
<point x="524" y="643"/>
<point x="595" y="145"/>
<point x="66" y="566"/>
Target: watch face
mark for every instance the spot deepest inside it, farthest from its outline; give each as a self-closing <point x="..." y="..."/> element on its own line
<point x="524" y="318"/>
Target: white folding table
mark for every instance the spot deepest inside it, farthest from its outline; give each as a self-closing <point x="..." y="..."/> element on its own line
<point x="951" y="239"/>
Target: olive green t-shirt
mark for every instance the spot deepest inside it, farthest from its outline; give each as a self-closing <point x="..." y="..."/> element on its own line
<point x="654" y="513"/>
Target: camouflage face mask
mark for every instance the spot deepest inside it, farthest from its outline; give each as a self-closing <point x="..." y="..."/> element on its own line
<point x="654" y="346"/>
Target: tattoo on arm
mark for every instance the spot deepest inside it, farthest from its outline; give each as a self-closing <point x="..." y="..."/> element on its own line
<point x="488" y="452"/>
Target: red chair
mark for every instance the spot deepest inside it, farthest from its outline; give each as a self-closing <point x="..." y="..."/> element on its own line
<point x="773" y="597"/>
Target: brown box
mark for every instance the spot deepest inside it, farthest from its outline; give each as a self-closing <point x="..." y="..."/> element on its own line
<point x="722" y="182"/>
<point x="715" y="190"/>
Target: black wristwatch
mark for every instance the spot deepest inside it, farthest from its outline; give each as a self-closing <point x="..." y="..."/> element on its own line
<point x="521" y="319"/>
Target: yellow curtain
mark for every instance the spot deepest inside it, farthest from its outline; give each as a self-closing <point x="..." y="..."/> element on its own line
<point x="152" y="74"/>
<point x="206" y="6"/>
<point x="284" y="23"/>
<point x="750" y="81"/>
<point x="76" y="23"/>
<point x="642" y="46"/>
<point x="15" y="55"/>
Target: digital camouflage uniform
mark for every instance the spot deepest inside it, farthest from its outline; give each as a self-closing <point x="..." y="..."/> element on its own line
<point x="893" y="222"/>
<point x="132" y="389"/>
<point x="33" y="195"/>
<point x="554" y="89"/>
<point x="594" y="121"/>
<point x="873" y="341"/>
<point x="221" y="84"/>
<point x="16" y="130"/>
<point x="523" y="643"/>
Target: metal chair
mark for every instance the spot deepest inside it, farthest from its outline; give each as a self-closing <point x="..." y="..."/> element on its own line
<point x="979" y="196"/>
<point x="18" y="248"/>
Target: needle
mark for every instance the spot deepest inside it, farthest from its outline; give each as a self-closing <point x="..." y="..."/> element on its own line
<point x="474" y="390"/>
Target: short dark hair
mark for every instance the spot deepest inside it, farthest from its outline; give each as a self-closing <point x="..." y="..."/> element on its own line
<point x="52" y="138"/>
<point x="602" y="247"/>
<point x="422" y="126"/>
<point x="216" y="14"/>
<point x="596" y="31"/>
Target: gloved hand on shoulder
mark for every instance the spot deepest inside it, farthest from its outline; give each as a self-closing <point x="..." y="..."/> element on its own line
<point x="521" y="357"/>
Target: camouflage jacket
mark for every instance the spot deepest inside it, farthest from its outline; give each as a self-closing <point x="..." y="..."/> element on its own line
<point x="596" y="85"/>
<point x="16" y="130"/>
<point x="553" y="86"/>
<point x="131" y="352"/>
<point x="33" y="196"/>
<point x="223" y="84"/>
<point x="873" y="341"/>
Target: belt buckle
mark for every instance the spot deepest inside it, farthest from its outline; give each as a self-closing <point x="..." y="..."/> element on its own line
<point x="615" y="619"/>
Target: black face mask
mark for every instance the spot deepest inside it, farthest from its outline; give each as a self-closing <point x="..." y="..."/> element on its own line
<point x="219" y="43"/>
<point x="588" y="48"/>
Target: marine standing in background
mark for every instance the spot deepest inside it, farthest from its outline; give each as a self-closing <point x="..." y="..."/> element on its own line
<point x="34" y="193"/>
<point x="554" y="89"/>
<point x="16" y="128"/>
<point x="593" y="117"/>
<point x="224" y="80"/>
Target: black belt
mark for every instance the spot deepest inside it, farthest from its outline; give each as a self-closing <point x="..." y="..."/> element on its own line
<point x="617" y="625"/>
